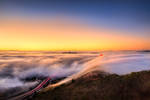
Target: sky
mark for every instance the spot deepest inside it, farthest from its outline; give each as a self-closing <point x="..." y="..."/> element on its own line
<point x="74" y="25"/>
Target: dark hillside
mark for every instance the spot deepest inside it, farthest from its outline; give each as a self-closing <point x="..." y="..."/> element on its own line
<point x="102" y="86"/>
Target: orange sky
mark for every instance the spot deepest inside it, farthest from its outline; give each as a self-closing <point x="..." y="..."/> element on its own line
<point x="63" y="34"/>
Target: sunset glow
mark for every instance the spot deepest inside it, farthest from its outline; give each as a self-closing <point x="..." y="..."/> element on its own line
<point x="66" y="49"/>
<point x="27" y="28"/>
<point x="62" y="35"/>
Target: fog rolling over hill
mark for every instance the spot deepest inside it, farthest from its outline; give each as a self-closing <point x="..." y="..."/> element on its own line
<point x="102" y="86"/>
<point x="18" y="70"/>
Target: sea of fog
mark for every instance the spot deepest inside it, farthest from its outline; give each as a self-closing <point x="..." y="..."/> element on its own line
<point x="16" y="67"/>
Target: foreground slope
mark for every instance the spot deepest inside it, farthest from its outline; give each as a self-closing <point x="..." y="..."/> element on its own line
<point x="102" y="86"/>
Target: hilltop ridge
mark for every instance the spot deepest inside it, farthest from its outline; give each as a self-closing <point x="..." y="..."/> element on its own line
<point x="102" y="86"/>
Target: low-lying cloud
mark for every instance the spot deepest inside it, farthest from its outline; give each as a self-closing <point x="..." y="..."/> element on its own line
<point x="16" y="67"/>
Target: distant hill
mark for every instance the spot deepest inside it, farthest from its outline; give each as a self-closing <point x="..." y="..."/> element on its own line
<point x="102" y="86"/>
<point x="145" y="51"/>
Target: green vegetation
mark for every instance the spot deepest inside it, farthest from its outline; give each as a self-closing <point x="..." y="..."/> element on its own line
<point x="102" y="86"/>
